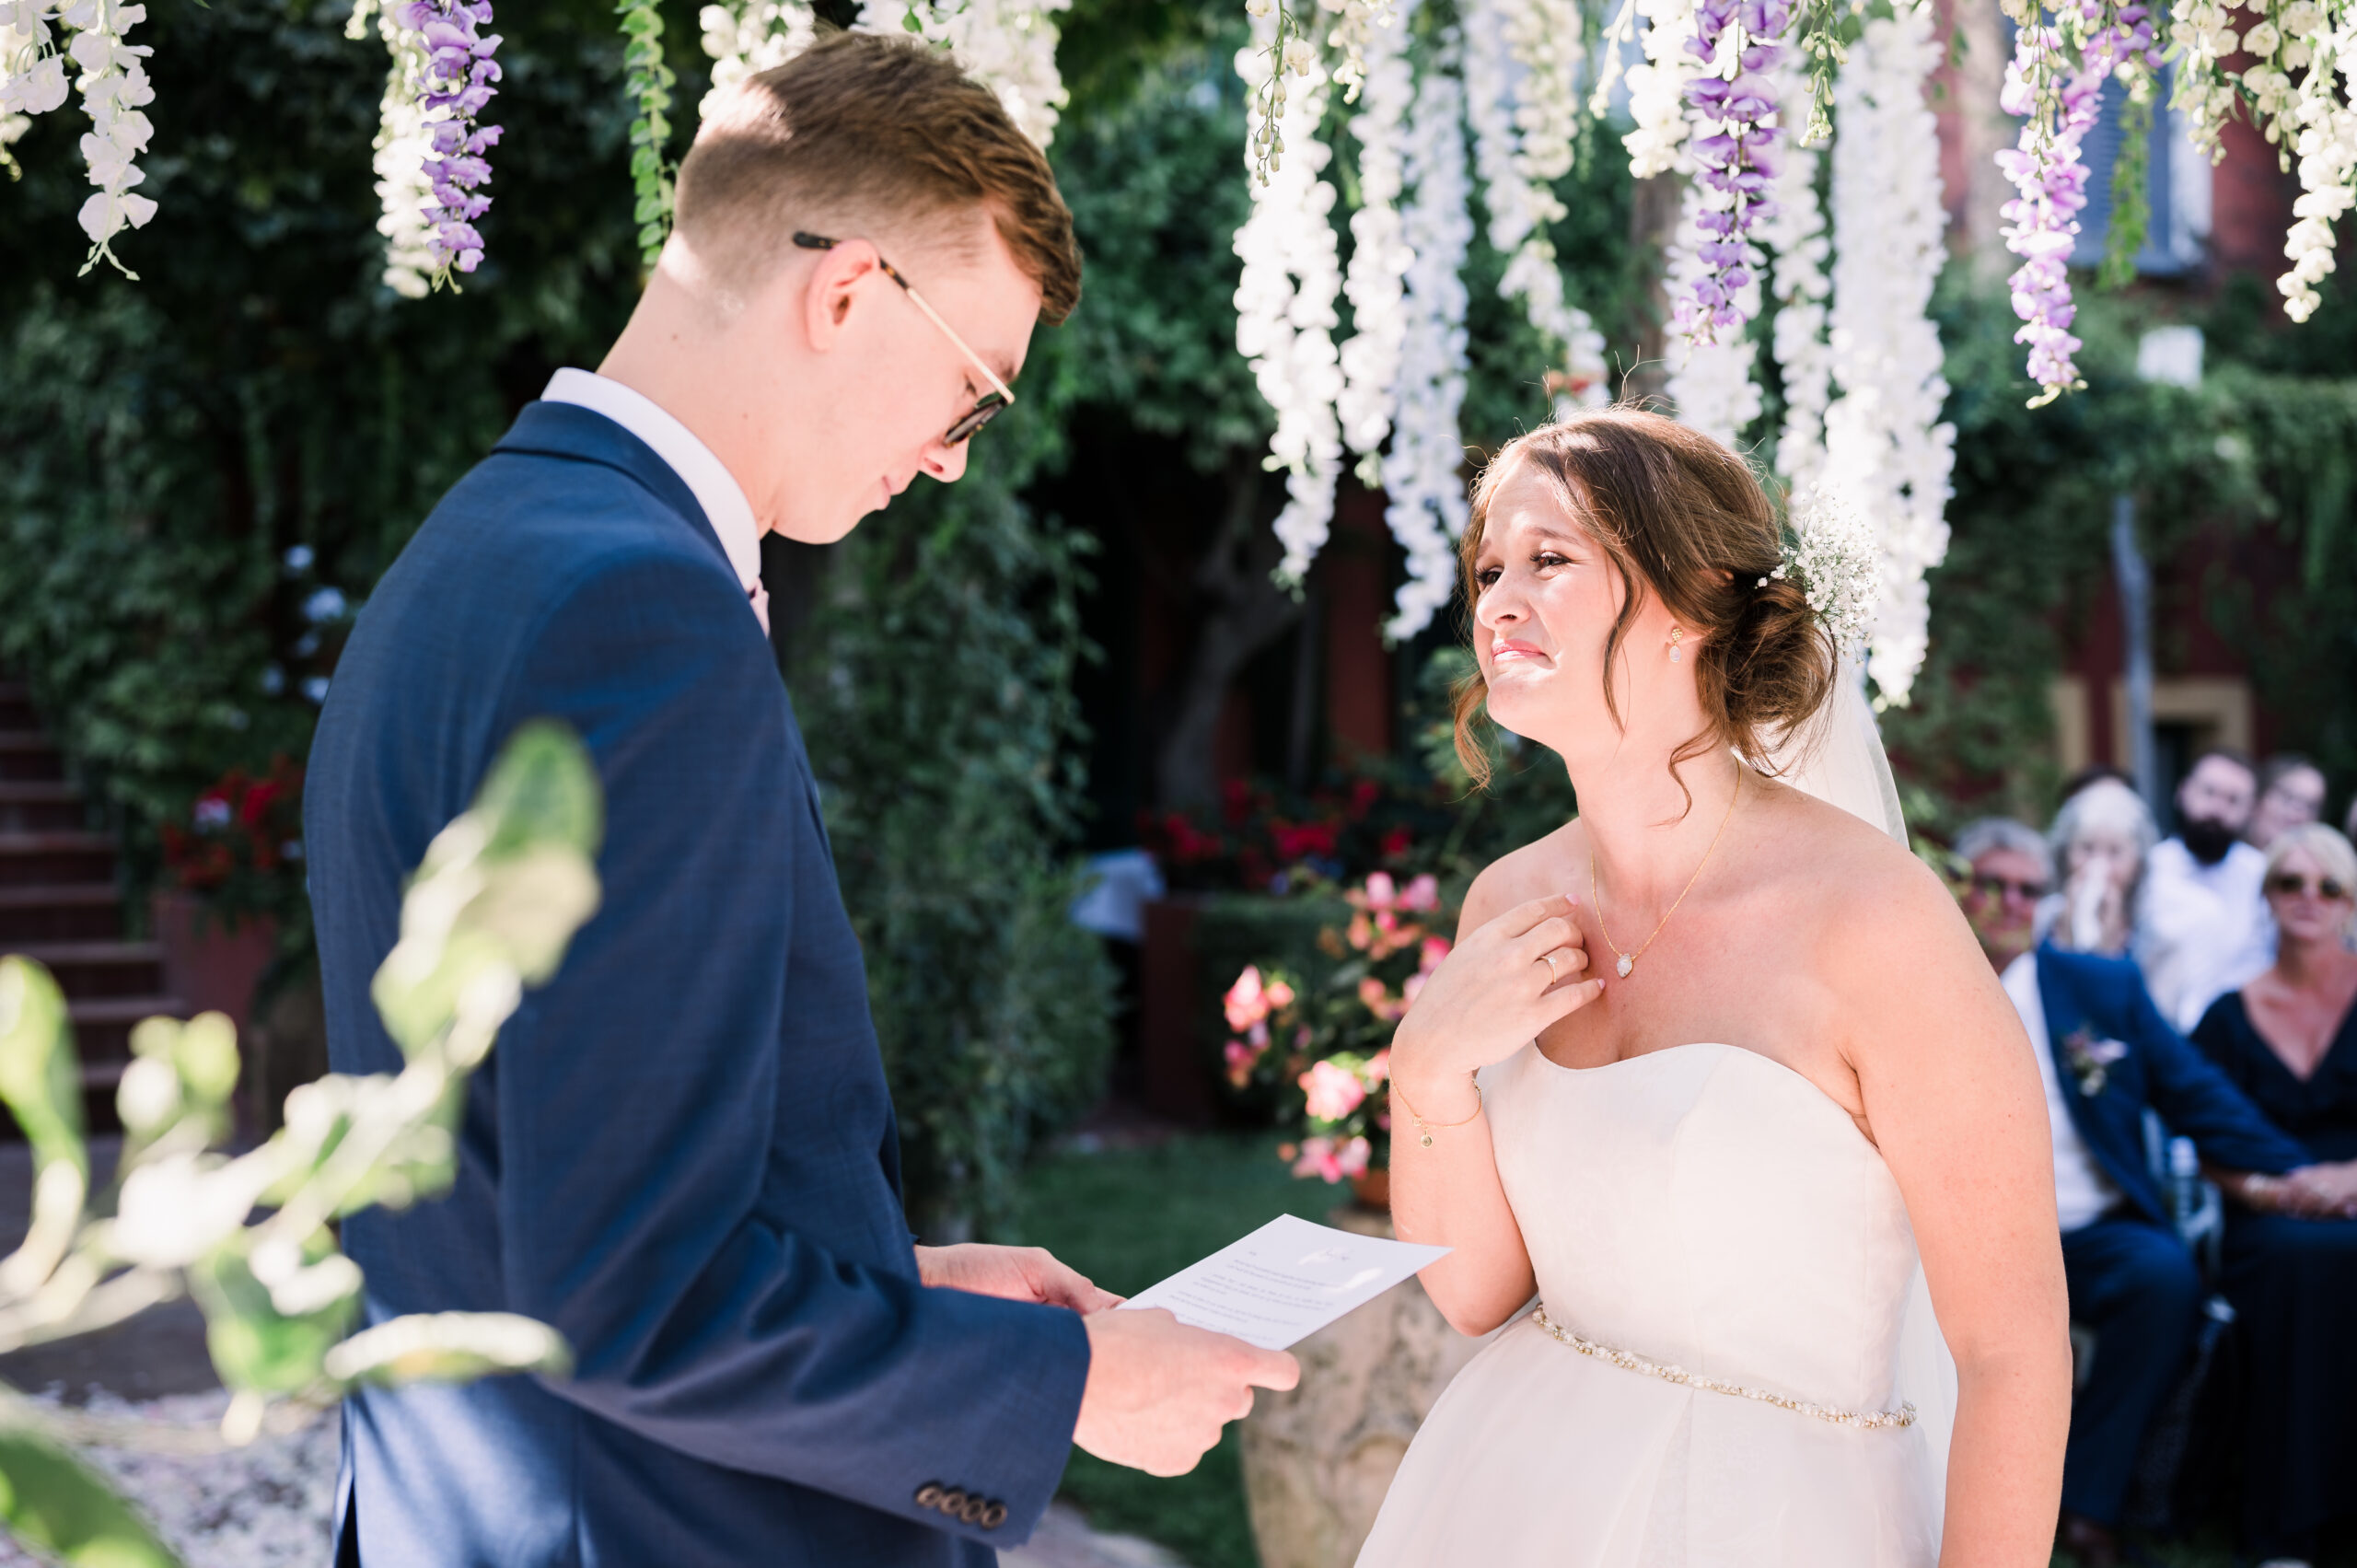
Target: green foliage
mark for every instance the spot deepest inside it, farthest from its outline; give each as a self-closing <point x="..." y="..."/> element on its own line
<point x="937" y="694"/>
<point x="648" y="82"/>
<point x="51" y="1501"/>
<point x="492" y="910"/>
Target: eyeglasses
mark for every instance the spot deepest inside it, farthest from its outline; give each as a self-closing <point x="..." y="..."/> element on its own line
<point x="2291" y="885"/>
<point x="985" y="408"/>
<point x="1991" y="886"/>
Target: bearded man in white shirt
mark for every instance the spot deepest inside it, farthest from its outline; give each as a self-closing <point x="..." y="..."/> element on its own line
<point x="2201" y="922"/>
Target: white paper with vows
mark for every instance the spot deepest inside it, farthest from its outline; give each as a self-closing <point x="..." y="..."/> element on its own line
<point x="1285" y="1281"/>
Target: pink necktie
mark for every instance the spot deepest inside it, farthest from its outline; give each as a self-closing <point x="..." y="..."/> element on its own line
<point x="760" y="594"/>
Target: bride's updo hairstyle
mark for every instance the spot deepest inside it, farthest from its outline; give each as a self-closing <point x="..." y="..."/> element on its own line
<point x="1679" y="516"/>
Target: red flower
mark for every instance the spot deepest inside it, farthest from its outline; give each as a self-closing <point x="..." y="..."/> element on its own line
<point x="1363" y="793"/>
<point x="1397" y="843"/>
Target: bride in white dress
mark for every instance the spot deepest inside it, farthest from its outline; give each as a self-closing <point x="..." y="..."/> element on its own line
<point x="1717" y="1076"/>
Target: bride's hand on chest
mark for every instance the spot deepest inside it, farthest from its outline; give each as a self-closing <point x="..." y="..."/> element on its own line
<point x="1506" y="980"/>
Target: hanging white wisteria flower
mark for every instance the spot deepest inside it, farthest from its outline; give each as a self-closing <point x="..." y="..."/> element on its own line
<point x="1885" y="447"/>
<point x="1354" y="38"/>
<point x="1285" y="297"/>
<point x="114" y="89"/>
<point x="1379" y="254"/>
<point x="32" y="72"/>
<point x="1422" y="474"/>
<point x="1008" y="45"/>
<point x="1657" y="87"/>
<point x="749" y="37"/>
<point x="1793" y="232"/>
<point x="1710" y="381"/>
<point x="1521" y="95"/>
<point x="401" y="148"/>
<point x="2326" y="146"/>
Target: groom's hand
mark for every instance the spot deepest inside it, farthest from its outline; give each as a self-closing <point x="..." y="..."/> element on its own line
<point x="1159" y="1392"/>
<point x="1018" y="1273"/>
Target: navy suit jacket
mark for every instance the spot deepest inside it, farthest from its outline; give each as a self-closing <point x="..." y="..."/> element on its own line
<point x="681" y="1154"/>
<point x="2106" y="998"/>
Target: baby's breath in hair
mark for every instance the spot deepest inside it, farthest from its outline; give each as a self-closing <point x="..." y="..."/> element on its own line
<point x="1832" y="556"/>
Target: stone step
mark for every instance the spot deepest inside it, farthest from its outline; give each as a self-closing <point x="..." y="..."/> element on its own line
<point x="49" y="858"/>
<point x="35" y="805"/>
<point x="86" y="911"/>
<point x="28" y="754"/>
<point x="90" y="970"/>
<point x="102" y="1028"/>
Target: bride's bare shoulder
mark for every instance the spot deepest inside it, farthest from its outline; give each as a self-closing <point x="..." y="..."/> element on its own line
<point x="1539" y="869"/>
<point x="1869" y="892"/>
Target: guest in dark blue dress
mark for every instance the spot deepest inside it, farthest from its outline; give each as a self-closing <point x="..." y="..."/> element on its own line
<point x="2289" y="1041"/>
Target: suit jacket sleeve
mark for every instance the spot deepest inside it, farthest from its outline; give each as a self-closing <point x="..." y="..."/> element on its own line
<point x="639" y="1093"/>
<point x="2202" y="1103"/>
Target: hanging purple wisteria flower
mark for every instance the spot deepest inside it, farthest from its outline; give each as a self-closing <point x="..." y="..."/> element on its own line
<point x="1733" y="102"/>
<point x="457" y="85"/>
<point x="2061" y="104"/>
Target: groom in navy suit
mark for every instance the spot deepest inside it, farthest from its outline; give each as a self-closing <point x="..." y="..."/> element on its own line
<point x="681" y="1154"/>
<point x="2106" y="1053"/>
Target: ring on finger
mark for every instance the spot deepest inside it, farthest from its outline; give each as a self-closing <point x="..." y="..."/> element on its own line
<point x="1553" y="978"/>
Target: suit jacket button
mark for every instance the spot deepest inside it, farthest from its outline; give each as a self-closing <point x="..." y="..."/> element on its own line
<point x="993" y="1515"/>
<point x="953" y="1502"/>
<point x="929" y="1496"/>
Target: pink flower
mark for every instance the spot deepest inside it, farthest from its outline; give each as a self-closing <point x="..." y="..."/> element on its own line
<point x="1378" y="999"/>
<point x="1323" y="1157"/>
<point x="1241" y="1058"/>
<point x="1378" y="1067"/>
<point x="1436" y="948"/>
<point x="1334" y="1091"/>
<point x="1381" y="894"/>
<point x="1424" y="893"/>
<point x="1248" y="1001"/>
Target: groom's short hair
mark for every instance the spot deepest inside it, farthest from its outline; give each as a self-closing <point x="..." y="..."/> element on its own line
<point x="867" y="136"/>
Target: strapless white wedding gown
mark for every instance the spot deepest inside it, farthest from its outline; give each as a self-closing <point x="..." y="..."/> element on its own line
<point x="1713" y="1214"/>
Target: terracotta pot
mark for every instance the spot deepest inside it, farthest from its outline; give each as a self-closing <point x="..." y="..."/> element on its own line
<point x="1373" y="1189"/>
<point x="211" y="966"/>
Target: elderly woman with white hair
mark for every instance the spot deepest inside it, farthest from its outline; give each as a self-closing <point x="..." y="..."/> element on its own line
<point x="2099" y="839"/>
<point x="2289" y="1041"/>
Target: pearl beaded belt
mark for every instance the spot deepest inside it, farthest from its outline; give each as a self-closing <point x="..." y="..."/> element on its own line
<point x="1864" y="1420"/>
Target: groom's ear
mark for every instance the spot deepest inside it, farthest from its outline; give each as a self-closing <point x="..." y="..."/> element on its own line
<point x="833" y="290"/>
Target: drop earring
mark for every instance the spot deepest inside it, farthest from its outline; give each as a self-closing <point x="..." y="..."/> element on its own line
<point x="1675" y="633"/>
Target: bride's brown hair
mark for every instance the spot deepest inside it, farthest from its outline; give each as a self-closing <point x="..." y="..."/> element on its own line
<point x="1679" y="516"/>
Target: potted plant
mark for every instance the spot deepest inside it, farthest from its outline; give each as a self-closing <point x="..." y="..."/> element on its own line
<point x="233" y="887"/>
<point x="1319" y="1040"/>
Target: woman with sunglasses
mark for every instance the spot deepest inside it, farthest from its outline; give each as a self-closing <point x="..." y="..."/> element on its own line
<point x="2289" y="1041"/>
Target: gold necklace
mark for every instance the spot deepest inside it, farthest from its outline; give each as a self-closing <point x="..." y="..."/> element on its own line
<point x="1629" y="961"/>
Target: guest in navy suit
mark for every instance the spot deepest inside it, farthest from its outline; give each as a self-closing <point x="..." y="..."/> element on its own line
<point x="2106" y="1053"/>
<point x="681" y="1154"/>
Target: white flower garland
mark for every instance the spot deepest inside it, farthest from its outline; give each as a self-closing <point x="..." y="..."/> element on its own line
<point x="749" y="37"/>
<point x="1795" y="234"/>
<point x="114" y="89"/>
<point x="1008" y="44"/>
<point x="1284" y="297"/>
<point x="1711" y="385"/>
<point x="1380" y="256"/>
<point x="1521" y="91"/>
<point x="1884" y="446"/>
<point x="1422" y="475"/>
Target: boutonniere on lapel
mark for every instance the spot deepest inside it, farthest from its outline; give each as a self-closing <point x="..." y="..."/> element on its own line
<point x="2090" y="1059"/>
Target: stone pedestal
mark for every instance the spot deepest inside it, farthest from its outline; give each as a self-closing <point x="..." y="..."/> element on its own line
<point x="1318" y="1460"/>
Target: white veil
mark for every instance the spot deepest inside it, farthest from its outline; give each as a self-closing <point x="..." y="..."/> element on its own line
<point x="1838" y="756"/>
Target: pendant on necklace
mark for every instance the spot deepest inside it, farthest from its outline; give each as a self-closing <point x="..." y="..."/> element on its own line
<point x="1628" y="962"/>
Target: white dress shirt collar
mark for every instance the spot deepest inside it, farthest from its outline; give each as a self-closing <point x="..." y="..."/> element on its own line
<point x="714" y="488"/>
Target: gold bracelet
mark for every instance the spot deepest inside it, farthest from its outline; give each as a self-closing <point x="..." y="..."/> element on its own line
<point x="1425" y="1128"/>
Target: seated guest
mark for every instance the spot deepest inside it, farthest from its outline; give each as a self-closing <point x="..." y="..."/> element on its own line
<point x="2291" y="795"/>
<point x="2101" y="837"/>
<point x="2201" y="927"/>
<point x="2104" y="1053"/>
<point x="2289" y="1041"/>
